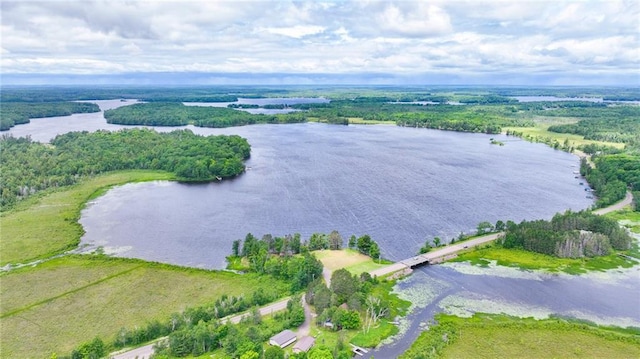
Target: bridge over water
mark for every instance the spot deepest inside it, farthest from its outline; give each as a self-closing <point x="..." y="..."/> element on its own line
<point x="434" y="256"/>
<point x="440" y="254"/>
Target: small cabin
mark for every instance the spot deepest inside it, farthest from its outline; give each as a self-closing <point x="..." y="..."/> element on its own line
<point x="283" y="339"/>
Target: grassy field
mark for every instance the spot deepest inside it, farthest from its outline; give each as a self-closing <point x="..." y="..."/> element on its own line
<point x="58" y="304"/>
<point x="66" y="301"/>
<point x="352" y="260"/>
<point x="627" y="218"/>
<point x="540" y="133"/>
<point x="47" y="224"/>
<point x="499" y="336"/>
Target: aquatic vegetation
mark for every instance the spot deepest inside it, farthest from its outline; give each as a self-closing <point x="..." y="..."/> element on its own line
<point x="419" y="291"/>
<point x="466" y="304"/>
<point x="493" y="269"/>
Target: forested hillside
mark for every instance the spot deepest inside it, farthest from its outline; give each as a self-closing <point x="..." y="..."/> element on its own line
<point x="28" y="167"/>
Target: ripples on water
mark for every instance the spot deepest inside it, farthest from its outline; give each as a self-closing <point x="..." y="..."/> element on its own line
<point x="400" y="185"/>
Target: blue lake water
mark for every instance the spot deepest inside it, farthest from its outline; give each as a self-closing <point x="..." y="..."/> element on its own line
<point x="400" y="185"/>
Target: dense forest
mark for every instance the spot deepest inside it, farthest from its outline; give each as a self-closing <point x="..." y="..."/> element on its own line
<point x="570" y="234"/>
<point x="16" y="113"/>
<point x="177" y="114"/>
<point x="144" y="93"/>
<point x="612" y="176"/>
<point x="28" y="167"/>
<point x="231" y="93"/>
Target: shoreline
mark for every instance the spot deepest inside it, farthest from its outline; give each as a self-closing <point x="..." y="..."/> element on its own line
<point x="102" y="190"/>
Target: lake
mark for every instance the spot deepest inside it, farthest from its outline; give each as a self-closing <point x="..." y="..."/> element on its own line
<point x="555" y="99"/>
<point x="400" y="185"/>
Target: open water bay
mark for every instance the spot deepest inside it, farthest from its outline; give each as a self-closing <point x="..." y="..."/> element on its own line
<point x="400" y="185"/>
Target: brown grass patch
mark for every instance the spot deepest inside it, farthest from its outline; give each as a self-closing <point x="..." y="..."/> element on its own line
<point x="333" y="260"/>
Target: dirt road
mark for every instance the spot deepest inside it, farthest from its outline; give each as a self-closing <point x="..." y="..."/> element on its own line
<point x="616" y="206"/>
<point x="146" y="351"/>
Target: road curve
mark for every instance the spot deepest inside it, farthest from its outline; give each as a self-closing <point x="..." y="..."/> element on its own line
<point x="628" y="199"/>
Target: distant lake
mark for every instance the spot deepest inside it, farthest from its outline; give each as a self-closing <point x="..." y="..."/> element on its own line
<point x="555" y="99"/>
<point x="400" y="185"/>
<point x="288" y="101"/>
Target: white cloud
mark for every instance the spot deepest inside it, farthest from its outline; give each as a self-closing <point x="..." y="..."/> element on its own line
<point x="420" y="19"/>
<point x="402" y="37"/>
<point x="297" y="31"/>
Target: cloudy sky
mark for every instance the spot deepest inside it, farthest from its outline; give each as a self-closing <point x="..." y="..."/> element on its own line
<point x="493" y="42"/>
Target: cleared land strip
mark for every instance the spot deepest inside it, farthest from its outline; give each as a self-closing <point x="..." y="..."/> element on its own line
<point x="75" y="290"/>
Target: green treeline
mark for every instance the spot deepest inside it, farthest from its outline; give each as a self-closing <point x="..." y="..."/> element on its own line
<point x="614" y="172"/>
<point x="602" y="123"/>
<point x="285" y="258"/>
<point x="476" y="118"/>
<point x="450" y="118"/>
<point x="466" y="118"/>
<point x="177" y="114"/>
<point x="244" y="340"/>
<point x="28" y="167"/>
<point x="571" y="234"/>
<point x="147" y="94"/>
<point x="612" y="176"/>
<point x="198" y="330"/>
<point x="16" y="113"/>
